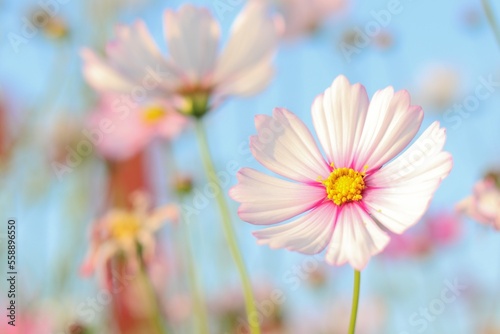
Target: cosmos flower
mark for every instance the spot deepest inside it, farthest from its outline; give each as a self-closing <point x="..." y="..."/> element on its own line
<point x="194" y="76"/>
<point x="483" y="205"/>
<point x="121" y="231"/>
<point x="343" y="203"/>
<point x="132" y="127"/>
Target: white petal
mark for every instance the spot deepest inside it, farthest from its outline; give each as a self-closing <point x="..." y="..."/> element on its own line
<point x="254" y="38"/>
<point x="399" y="193"/>
<point x="284" y="145"/>
<point x="135" y="58"/>
<point x="339" y="116"/>
<point x="101" y="76"/>
<point x="356" y="237"/>
<point x="391" y="123"/>
<point x="249" y="81"/>
<point x="160" y="215"/>
<point x="193" y="36"/>
<point x="268" y="200"/>
<point x="308" y="234"/>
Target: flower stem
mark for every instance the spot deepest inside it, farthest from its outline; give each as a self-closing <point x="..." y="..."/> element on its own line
<point x="491" y="19"/>
<point x="198" y="301"/>
<point x="355" y="301"/>
<point x="157" y="317"/>
<point x="228" y="228"/>
<point x="202" y="323"/>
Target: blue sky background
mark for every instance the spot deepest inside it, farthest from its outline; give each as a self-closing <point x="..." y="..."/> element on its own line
<point x="425" y="32"/>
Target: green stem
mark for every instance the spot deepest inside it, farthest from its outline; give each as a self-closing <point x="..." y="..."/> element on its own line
<point x="228" y="228"/>
<point x="197" y="295"/>
<point x="157" y="316"/>
<point x="355" y="301"/>
<point x="195" y="286"/>
<point x="491" y="19"/>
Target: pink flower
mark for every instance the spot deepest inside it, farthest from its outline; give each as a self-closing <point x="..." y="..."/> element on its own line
<point x="438" y="229"/>
<point x="194" y="76"/>
<point x="120" y="231"/>
<point x="363" y="187"/>
<point x="305" y="16"/>
<point x="443" y="227"/>
<point x="484" y="203"/>
<point x="131" y="127"/>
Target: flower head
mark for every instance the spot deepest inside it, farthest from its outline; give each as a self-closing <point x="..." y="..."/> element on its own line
<point x="126" y="128"/>
<point x="122" y="231"/>
<point x="194" y="76"/>
<point x="365" y="186"/>
<point x="484" y="203"/>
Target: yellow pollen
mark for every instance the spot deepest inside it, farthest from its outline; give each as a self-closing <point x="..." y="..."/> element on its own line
<point x="344" y="185"/>
<point x="153" y="114"/>
<point x="124" y="225"/>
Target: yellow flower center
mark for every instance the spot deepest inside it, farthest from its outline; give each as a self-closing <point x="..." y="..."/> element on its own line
<point x="344" y="185"/>
<point x="153" y="114"/>
<point x="124" y="225"/>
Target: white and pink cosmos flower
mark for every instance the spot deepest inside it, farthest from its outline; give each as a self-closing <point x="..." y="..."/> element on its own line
<point x="120" y="231"/>
<point x="347" y="202"/>
<point x="483" y="205"/>
<point x="194" y="76"/>
<point x="126" y="128"/>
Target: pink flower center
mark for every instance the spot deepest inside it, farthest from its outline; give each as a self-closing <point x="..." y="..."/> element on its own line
<point x="344" y="185"/>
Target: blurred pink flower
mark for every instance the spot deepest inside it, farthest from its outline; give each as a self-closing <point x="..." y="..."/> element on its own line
<point x="305" y="16"/>
<point x="30" y="323"/>
<point x="194" y="76"/>
<point x="437" y="230"/>
<point x="443" y="227"/>
<point x="334" y="318"/>
<point x="364" y="182"/>
<point x="120" y="231"/>
<point x="125" y="129"/>
<point x="483" y="205"/>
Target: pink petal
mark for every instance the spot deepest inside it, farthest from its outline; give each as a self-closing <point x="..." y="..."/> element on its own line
<point x="253" y="41"/>
<point x="268" y="200"/>
<point x="399" y="193"/>
<point x="133" y="58"/>
<point x="126" y="133"/>
<point x="355" y="239"/>
<point x="308" y="234"/>
<point x="339" y="116"/>
<point x="284" y="145"/>
<point x="192" y="36"/>
<point x="161" y="215"/>
<point x="390" y="125"/>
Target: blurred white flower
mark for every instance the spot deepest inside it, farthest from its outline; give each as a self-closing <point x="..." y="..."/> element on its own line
<point x="194" y="76"/>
